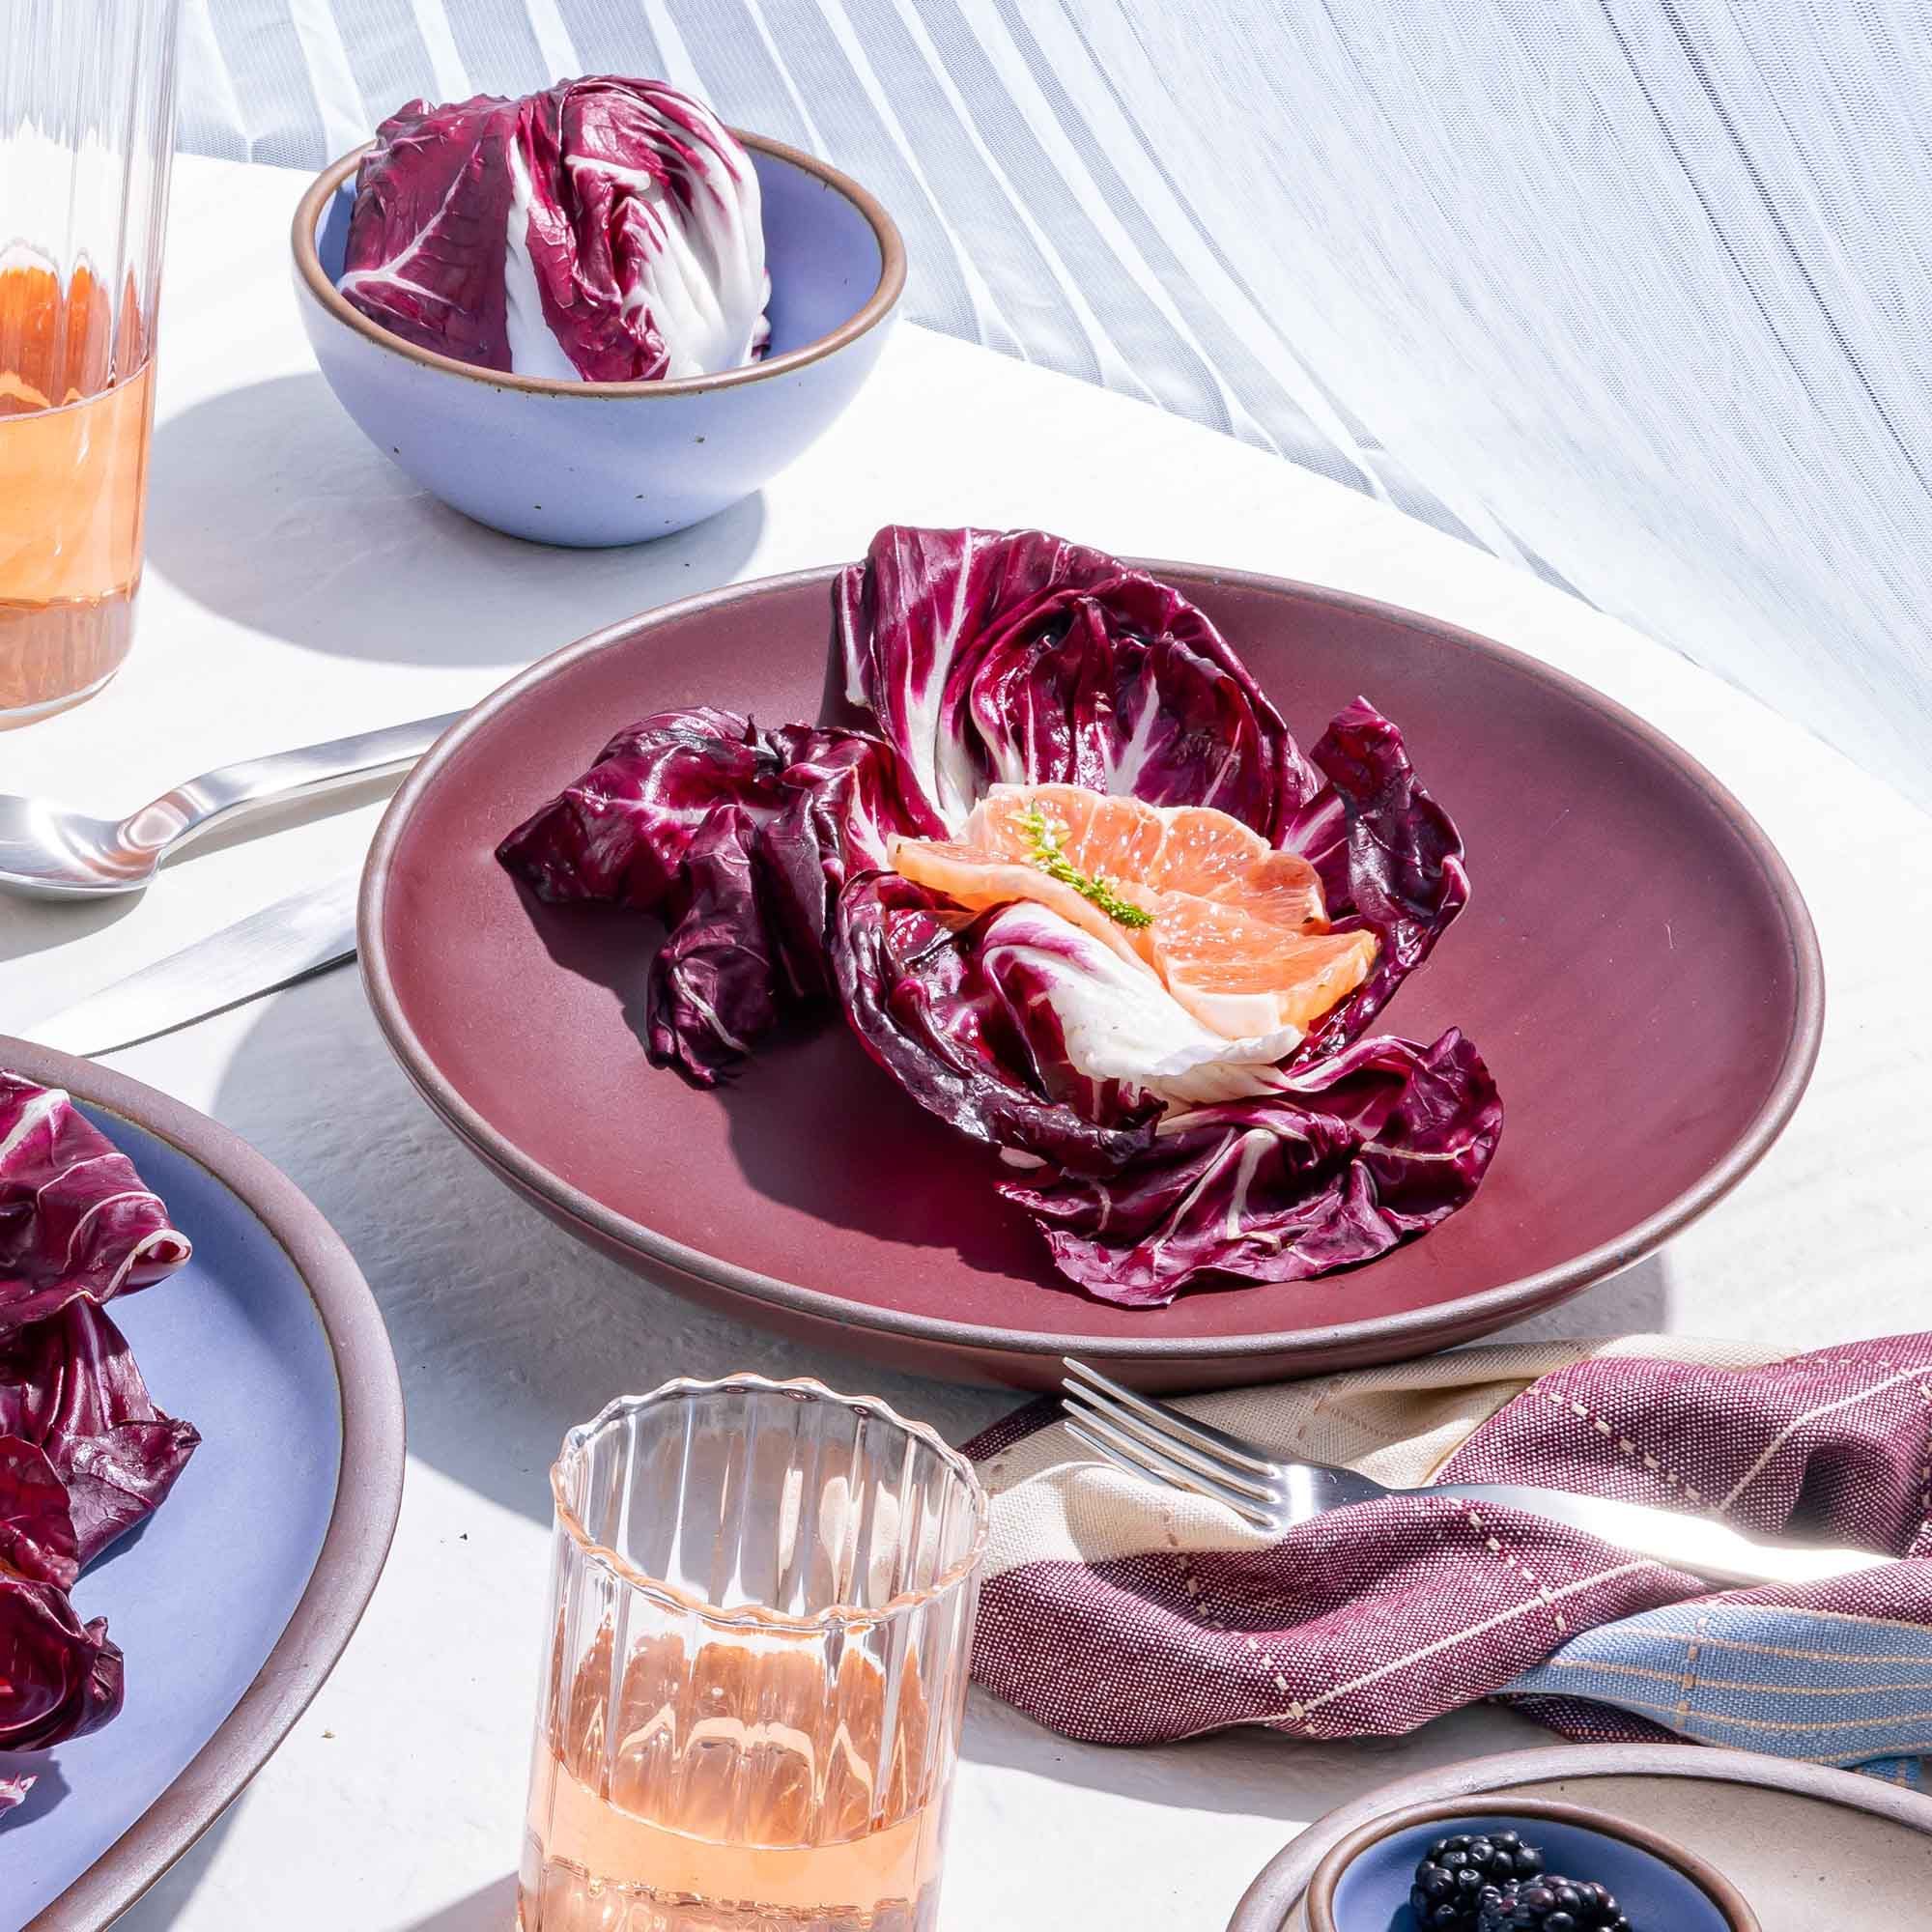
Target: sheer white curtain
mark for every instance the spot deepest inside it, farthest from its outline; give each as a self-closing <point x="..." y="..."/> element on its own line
<point x="1633" y="292"/>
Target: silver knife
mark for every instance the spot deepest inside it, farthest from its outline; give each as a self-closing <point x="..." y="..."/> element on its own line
<point x="1697" y="1545"/>
<point x="303" y="934"/>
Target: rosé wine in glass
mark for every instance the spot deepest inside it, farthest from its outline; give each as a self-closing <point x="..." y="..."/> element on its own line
<point x="87" y="115"/>
<point x="763" y="1606"/>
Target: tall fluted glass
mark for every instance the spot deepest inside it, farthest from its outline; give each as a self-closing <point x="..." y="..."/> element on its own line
<point x="87" y="116"/>
<point x="761" y="1610"/>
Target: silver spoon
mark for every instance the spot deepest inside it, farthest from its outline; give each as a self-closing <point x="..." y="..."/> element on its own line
<point x="51" y="852"/>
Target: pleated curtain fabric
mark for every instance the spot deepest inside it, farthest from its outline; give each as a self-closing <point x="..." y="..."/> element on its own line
<point x="1632" y="293"/>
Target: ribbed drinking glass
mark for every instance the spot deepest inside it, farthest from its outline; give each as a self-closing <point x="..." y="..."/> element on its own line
<point x="761" y="1611"/>
<point x="87" y="118"/>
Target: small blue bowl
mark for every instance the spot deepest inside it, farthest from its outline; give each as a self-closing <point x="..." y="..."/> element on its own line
<point x="593" y="464"/>
<point x="1363" y="1884"/>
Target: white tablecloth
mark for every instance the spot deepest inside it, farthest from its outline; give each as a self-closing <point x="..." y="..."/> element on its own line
<point x="299" y="587"/>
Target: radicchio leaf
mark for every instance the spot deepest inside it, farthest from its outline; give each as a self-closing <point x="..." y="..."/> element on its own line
<point x="76" y="1222"/>
<point x="740" y="841"/>
<point x="59" y="1678"/>
<point x="605" y="229"/>
<point x="984" y="658"/>
<point x="69" y="1389"/>
<point x="1015" y="657"/>
<point x="1388" y="857"/>
<point x="14" y="1790"/>
<point x="430" y="229"/>
<point x="37" y="1535"/>
<point x="1112" y="1021"/>
<point x="914" y="984"/>
<point x="1354" y="1155"/>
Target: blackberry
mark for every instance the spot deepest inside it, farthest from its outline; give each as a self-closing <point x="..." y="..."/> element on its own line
<point x="1450" y="1881"/>
<point x="1551" y="1904"/>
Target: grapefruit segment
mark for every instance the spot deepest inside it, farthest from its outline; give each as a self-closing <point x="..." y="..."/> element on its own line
<point x="1241" y="973"/>
<point x="1236" y="929"/>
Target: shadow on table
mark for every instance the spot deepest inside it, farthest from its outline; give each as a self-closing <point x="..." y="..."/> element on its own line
<point x="491" y="1908"/>
<point x="507" y="1331"/>
<point x="1638" y="1302"/>
<point x="269" y="506"/>
<point x="31" y="925"/>
<point x="1246" y="1770"/>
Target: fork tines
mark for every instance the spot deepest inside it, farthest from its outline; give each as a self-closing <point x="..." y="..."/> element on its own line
<point x="1152" y="1440"/>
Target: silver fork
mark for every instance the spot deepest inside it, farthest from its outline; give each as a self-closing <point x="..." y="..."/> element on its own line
<point x="1152" y="1440"/>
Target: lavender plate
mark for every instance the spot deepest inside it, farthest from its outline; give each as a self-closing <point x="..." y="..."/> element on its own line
<point x="1637" y="965"/>
<point x="232" y="1602"/>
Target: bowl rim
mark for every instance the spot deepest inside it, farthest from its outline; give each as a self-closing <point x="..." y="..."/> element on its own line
<point x="1318" y="1901"/>
<point x="870" y="313"/>
<point x="362" y="1515"/>
<point x="1280" y="1884"/>
<point x="1401" y="1333"/>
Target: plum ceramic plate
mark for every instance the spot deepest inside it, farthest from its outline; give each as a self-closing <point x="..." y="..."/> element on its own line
<point x="234" y="1601"/>
<point x="1807" y="1846"/>
<point x="1637" y="965"/>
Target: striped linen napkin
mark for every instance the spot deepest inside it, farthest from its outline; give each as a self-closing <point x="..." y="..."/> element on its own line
<point x="1121" y="1612"/>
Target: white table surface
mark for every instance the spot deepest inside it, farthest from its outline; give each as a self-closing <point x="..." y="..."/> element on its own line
<point x="299" y="587"/>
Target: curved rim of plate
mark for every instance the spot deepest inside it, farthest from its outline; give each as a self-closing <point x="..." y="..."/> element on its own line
<point x="1319" y="1895"/>
<point x="1283" y="1881"/>
<point x="873" y="311"/>
<point x="1493" y="1306"/>
<point x="361" y="1523"/>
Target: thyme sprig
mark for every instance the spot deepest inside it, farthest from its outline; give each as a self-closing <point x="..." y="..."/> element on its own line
<point x="1052" y="860"/>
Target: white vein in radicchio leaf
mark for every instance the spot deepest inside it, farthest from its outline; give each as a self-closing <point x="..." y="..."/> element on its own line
<point x="429" y="229"/>
<point x="739" y="840"/>
<point x="84" y="1455"/>
<point x="1015" y="657"/>
<point x="1356" y="1155"/>
<point x="605" y="229"/>
<point x="913" y="983"/>
<point x="1117" y="1021"/>
<point x="76" y="1222"/>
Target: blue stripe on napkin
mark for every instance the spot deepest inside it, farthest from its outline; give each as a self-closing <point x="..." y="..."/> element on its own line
<point x="1824" y="1688"/>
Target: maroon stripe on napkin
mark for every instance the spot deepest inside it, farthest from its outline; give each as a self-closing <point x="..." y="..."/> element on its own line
<point x="1586" y="1723"/>
<point x="1362" y="1623"/>
<point x="1370" y="1621"/>
<point x="1830" y="1440"/>
<point x="1014" y="1428"/>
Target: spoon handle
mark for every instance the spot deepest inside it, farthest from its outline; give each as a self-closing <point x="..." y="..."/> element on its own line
<point x="229" y="790"/>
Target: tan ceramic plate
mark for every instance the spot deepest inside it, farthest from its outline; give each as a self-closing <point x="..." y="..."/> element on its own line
<point x="1775" y="1828"/>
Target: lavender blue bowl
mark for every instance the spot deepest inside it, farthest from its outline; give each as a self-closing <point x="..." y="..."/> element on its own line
<point x="1363" y="1884"/>
<point x="592" y="464"/>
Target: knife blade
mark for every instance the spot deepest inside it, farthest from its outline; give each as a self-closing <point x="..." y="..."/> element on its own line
<point x="1697" y="1545"/>
<point x="303" y="934"/>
